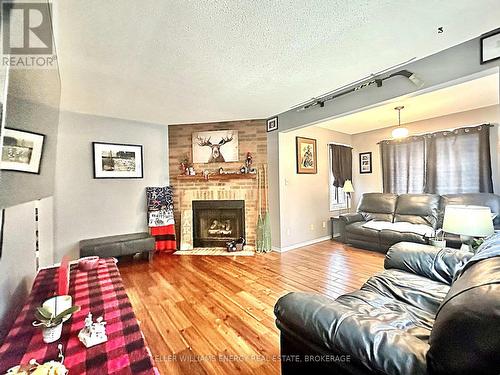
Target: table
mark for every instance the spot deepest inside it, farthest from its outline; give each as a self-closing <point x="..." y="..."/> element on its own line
<point x="99" y="291"/>
<point x="335" y="226"/>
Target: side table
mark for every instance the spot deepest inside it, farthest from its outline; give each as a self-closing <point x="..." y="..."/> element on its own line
<point x="335" y="227"/>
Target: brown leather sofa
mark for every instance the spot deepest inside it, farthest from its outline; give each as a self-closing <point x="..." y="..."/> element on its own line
<point x="405" y="217"/>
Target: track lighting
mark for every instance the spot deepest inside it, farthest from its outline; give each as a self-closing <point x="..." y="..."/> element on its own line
<point x="320" y="101"/>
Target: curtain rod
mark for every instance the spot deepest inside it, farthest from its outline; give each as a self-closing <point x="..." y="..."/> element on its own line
<point x="338" y="144"/>
<point x="440" y="131"/>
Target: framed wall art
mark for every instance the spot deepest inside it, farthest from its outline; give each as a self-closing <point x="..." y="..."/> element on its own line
<point x="272" y="124"/>
<point x="21" y="151"/>
<point x="114" y="160"/>
<point x="219" y="146"/>
<point x="490" y="46"/>
<point x="365" y="162"/>
<point x="307" y="161"/>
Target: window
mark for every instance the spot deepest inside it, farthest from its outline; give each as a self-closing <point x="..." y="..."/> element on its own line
<point x="404" y="167"/>
<point x="338" y="199"/>
<point x="447" y="162"/>
<point x="337" y="196"/>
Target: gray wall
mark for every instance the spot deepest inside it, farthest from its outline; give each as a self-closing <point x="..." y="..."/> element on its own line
<point x="32" y="103"/>
<point x="453" y="64"/>
<point x="88" y="208"/>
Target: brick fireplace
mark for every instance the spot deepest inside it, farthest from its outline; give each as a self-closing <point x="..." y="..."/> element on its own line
<point x="189" y="189"/>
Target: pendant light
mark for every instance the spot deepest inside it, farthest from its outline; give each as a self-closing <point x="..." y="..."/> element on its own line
<point x="399" y="132"/>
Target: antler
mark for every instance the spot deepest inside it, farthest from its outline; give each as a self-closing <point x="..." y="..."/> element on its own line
<point x="204" y="141"/>
<point x="225" y="140"/>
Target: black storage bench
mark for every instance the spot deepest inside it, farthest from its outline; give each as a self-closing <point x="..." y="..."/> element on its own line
<point x="115" y="246"/>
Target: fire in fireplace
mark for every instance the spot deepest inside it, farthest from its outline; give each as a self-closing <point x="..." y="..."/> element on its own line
<point x="216" y="222"/>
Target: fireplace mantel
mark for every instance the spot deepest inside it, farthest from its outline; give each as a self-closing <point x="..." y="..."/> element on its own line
<point x="228" y="176"/>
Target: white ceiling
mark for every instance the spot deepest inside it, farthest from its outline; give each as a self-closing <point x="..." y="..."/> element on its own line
<point x="197" y="61"/>
<point x="478" y="93"/>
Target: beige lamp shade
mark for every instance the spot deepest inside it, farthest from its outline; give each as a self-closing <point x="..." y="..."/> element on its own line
<point x="474" y="221"/>
<point x="348" y="188"/>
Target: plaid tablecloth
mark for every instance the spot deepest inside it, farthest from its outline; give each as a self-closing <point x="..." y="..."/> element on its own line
<point x="99" y="291"/>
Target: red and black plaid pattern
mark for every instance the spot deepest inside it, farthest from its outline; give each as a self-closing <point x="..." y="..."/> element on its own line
<point x="164" y="237"/>
<point x="99" y="291"/>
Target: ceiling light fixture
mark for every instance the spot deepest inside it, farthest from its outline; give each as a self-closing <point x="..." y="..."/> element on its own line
<point x="399" y="132"/>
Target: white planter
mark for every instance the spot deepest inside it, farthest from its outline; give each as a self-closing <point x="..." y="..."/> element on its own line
<point x="438" y="243"/>
<point x="51" y="334"/>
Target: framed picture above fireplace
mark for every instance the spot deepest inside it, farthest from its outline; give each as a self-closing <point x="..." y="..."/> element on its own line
<point x="114" y="160"/>
<point x="215" y="146"/>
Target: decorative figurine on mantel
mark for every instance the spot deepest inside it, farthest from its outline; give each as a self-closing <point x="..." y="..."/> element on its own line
<point x="248" y="162"/>
<point x="93" y="333"/>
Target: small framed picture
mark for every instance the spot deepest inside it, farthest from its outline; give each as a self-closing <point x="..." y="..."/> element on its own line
<point x="365" y="162"/>
<point x="113" y="160"/>
<point x="272" y="124"/>
<point x="307" y="162"/>
<point x="21" y="151"/>
<point x="490" y="46"/>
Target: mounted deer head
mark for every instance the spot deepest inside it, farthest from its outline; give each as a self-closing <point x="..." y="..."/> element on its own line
<point x="216" y="156"/>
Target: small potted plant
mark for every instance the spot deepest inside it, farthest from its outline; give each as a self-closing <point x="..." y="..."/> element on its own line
<point x="51" y="324"/>
<point x="437" y="239"/>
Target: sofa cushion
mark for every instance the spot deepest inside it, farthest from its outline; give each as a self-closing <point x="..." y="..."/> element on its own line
<point x="465" y="338"/>
<point x="377" y="206"/>
<point x="381" y="332"/>
<point x="431" y="262"/>
<point x="418" y="209"/>
<point x="359" y="229"/>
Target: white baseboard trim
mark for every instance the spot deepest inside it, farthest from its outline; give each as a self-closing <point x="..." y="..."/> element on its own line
<point x="301" y="244"/>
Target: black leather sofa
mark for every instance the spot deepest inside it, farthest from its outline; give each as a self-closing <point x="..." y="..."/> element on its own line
<point x="407" y="216"/>
<point x="431" y="311"/>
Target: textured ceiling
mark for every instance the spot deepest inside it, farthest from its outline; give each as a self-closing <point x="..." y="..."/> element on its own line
<point x="478" y="93"/>
<point x="197" y="61"/>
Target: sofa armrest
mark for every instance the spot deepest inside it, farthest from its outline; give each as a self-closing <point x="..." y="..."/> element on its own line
<point x="351" y="218"/>
<point x="429" y="261"/>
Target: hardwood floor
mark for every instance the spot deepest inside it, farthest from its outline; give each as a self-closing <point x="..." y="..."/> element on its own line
<point x="214" y="315"/>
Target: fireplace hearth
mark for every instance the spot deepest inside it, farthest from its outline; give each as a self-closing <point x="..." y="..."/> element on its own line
<point x="216" y="222"/>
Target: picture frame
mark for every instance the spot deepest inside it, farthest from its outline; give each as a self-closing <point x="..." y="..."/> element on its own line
<point x="365" y="162"/>
<point x="306" y="155"/>
<point x="272" y="124"/>
<point x="117" y="160"/>
<point x="215" y="146"/>
<point x="21" y="151"/>
<point x="490" y="46"/>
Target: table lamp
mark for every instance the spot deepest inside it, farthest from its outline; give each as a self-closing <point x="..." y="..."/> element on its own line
<point x="468" y="222"/>
<point x="348" y="189"/>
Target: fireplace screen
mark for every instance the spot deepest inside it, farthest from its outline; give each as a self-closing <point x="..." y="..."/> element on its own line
<point x="217" y="222"/>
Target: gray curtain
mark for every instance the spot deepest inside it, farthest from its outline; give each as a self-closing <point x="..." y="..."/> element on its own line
<point x="403" y="165"/>
<point x="459" y="161"/>
<point x="446" y="162"/>
<point x="341" y="164"/>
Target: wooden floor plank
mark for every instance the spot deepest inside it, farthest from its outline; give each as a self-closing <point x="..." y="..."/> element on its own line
<point x="214" y="315"/>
